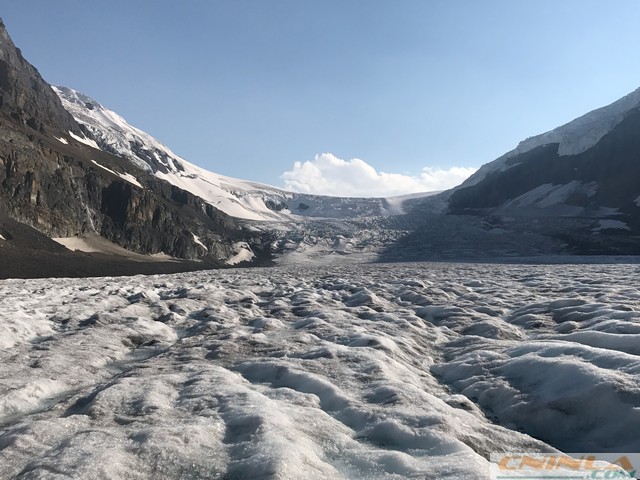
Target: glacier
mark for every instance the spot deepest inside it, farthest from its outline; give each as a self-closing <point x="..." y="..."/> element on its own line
<point x="344" y="371"/>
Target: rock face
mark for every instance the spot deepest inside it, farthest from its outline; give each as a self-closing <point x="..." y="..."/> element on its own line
<point x="591" y="197"/>
<point x="25" y="97"/>
<point x="53" y="180"/>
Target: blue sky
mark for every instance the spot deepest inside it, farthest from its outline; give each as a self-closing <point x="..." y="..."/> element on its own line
<point x="412" y="88"/>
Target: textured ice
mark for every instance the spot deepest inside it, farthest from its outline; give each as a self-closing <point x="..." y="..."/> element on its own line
<point x="356" y="371"/>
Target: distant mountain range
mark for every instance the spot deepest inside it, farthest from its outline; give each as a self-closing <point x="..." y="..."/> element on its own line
<point x="76" y="172"/>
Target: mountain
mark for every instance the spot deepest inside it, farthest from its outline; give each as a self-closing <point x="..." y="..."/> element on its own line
<point x="238" y="198"/>
<point x="299" y="227"/>
<point x="584" y="174"/>
<point x="572" y="190"/>
<point x="25" y="98"/>
<point x="75" y="171"/>
<point x="56" y="182"/>
<point x="588" y="167"/>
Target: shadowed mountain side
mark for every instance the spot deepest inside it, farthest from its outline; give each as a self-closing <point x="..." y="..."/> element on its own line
<point x="492" y="237"/>
<point x="27" y="253"/>
<point x="613" y="164"/>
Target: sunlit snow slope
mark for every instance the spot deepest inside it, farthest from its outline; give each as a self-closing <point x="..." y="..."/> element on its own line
<point x="238" y="198"/>
<point x="365" y="372"/>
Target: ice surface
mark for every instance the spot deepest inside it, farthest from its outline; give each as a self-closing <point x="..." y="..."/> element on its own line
<point x="355" y="371"/>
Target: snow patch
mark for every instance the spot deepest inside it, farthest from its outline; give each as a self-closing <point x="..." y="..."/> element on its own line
<point x="94" y="243"/>
<point x="608" y="224"/>
<point x="86" y="141"/>
<point x="125" y="176"/>
<point x="197" y="241"/>
<point x="395" y="205"/>
<point x="162" y="256"/>
<point x="243" y="253"/>
<point x="549" y="195"/>
<point x="78" y="244"/>
<point x="62" y="140"/>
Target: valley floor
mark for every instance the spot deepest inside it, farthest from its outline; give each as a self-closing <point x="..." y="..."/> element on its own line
<point x="359" y="371"/>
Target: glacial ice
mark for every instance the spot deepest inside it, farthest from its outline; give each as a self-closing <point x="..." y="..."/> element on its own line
<point x="354" y="371"/>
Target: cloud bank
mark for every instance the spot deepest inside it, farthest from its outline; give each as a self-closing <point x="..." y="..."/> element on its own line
<point x="327" y="174"/>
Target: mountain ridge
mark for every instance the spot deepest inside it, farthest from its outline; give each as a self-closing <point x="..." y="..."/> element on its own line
<point x="573" y="137"/>
<point x="243" y="199"/>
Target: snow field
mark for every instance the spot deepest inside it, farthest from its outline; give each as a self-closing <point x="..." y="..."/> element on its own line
<point x="360" y="371"/>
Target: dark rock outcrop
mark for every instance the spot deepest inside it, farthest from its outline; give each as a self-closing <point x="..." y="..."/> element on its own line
<point x="25" y="97"/>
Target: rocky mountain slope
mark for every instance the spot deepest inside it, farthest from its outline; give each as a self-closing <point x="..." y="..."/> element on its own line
<point x="573" y="190"/>
<point x="55" y="179"/>
<point x="299" y="227"/>
<point x="588" y="167"/>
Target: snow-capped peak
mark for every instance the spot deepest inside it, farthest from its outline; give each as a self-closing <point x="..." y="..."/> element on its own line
<point x="584" y="132"/>
<point x="114" y="134"/>
<point x="112" y="131"/>
<point x="573" y="138"/>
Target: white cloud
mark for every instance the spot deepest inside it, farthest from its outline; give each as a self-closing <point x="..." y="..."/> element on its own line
<point x="326" y="174"/>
